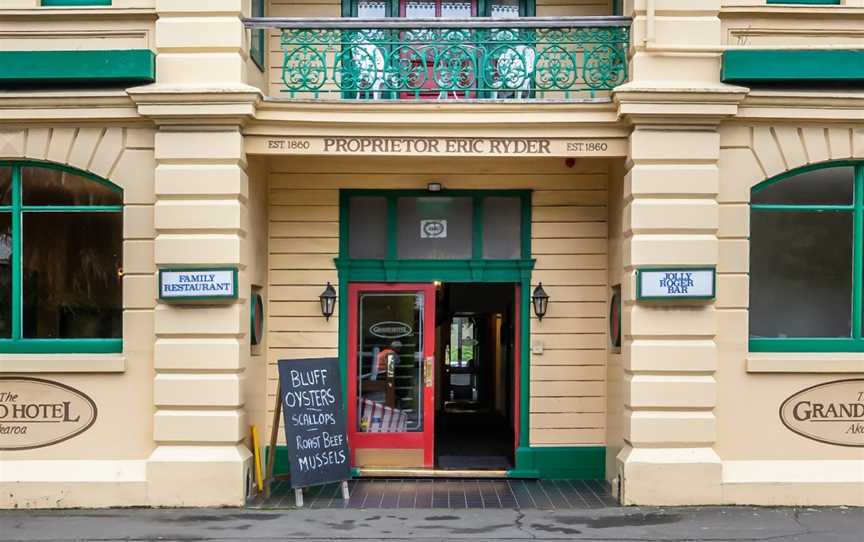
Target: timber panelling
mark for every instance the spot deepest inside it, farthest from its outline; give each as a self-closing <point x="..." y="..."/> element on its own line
<point x="569" y="230"/>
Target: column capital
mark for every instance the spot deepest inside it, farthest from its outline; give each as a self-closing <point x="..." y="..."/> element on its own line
<point x="709" y="104"/>
<point x="197" y="105"/>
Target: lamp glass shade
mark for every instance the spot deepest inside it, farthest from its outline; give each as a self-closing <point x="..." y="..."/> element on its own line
<point x="540" y="300"/>
<point x="328" y="301"/>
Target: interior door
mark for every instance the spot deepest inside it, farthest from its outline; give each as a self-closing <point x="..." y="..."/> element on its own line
<point x="391" y="368"/>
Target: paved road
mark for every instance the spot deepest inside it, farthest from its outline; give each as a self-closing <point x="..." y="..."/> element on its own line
<point x="620" y="524"/>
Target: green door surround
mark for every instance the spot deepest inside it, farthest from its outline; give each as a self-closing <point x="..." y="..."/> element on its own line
<point x="560" y="462"/>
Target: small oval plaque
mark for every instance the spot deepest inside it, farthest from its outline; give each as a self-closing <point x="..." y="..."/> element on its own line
<point x="36" y="413"/>
<point x="391" y="330"/>
<point x="832" y="412"/>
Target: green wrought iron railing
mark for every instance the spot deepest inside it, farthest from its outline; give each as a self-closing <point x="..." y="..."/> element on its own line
<point x="415" y="59"/>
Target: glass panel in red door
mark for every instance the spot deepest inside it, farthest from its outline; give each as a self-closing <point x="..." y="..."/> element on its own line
<point x="391" y="347"/>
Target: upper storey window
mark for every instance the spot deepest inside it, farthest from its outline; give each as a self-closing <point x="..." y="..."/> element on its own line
<point x="448" y="9"/>
<point x="807" y="261"/>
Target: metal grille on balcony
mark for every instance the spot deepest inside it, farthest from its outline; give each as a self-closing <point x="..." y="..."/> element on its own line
<point x="440" y="59"/>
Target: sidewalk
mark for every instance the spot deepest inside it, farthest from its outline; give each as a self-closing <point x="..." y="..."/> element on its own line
<point x="655" y="524"/>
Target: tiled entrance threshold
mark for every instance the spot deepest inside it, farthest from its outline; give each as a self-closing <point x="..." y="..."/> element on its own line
<point x="453" y="494"/>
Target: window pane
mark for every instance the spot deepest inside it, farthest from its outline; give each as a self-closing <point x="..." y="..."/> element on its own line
<point x="452" y="9"/>
<point x="435" y="228"/>
<point x="72" y="275"/>
<point x="5" y="275"/>
<point x="390" y="364"/>
<point x="829" y="186"/>
<point x="5" y="186"/>
<point x="502" y="228"/>
<point x="367" y="236"/>
<point x="504" y="9"/>
<point x="800" y="274"/>
<point x="367" y="9"/>
<point x="44" y="186"/>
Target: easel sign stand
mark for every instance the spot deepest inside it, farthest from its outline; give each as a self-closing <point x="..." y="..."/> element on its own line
<point x="311" y="392"/>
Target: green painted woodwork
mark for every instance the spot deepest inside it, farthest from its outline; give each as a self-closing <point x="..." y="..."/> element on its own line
<point x="855" y="343"/>
<point x="17" y="344"/>
<point x="76" y="2"/>
<point x="453" y="63"/>
<point x="547" y="463"/>
<point x="392" y="269"/>
<point x="560" y="463"/>
<point x="133" y="66"/>
<point x="258" y="42"/>
<point x="748" y="66"/>
<point x="814" y="2"/>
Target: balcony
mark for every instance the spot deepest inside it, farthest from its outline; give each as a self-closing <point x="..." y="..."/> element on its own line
<point x="534" y="59"/>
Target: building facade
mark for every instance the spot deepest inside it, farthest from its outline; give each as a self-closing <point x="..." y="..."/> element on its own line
<point x="185" y="183"/>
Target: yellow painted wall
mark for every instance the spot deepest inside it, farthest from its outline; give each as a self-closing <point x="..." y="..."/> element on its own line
<point x="569" y="243"/>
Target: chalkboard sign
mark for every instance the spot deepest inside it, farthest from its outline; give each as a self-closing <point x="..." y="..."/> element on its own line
<point x="314" y="415"/>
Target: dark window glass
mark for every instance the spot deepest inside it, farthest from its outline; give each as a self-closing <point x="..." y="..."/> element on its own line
<point x="502" y="228"/>
<point x="390" y="364"/>
<point x="44" y="186"/>
<point x="829" y="186"/>
<point x="435" y="228"/>
<point x="367" y="235"/>
<point x="5" y="185"/>
<point x="5" y="275"/>
<point x="800" y="274"/>
<point x="72" y="275"/>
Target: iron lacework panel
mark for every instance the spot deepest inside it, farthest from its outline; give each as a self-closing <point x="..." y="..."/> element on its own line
<point x="405" y="59"/>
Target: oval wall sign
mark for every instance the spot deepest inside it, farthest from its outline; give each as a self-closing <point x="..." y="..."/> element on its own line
<point x="391" y="330"/>
<point x="36" y="413"/>
<point x="832" y="412"/>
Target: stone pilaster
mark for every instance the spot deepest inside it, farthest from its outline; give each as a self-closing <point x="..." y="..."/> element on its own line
<point x="675" y="102"/>
<point x="199" y="103"/>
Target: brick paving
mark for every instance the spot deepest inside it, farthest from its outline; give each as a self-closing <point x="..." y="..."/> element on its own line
<point x="449" y="494"/>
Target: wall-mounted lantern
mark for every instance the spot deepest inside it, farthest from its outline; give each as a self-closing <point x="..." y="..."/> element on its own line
<point x="540" y="300"/>
<point x="328" y="301"/>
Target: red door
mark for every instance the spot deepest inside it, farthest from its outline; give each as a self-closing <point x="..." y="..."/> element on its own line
<point x="391" y="367"/>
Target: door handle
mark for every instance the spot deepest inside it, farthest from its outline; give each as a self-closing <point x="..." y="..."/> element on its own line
<point x="428" y="368"/>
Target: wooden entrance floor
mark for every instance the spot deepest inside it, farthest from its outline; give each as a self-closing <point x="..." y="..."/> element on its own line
<point x="451" y="494"/>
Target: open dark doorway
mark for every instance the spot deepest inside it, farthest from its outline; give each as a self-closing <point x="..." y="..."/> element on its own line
<point x="476" y="360"/>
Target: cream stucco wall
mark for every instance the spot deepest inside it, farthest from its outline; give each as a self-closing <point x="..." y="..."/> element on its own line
<point x="105" y="465"/>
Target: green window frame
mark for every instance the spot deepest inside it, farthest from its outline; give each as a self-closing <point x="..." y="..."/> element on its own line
<point x="76" y="2"/>
<point x="813" y="2"/>
<point x="392" y="196"/>
<point x="855" y="343"/>
<point x="17" y="344"/>
<point x="258" y="45"/>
